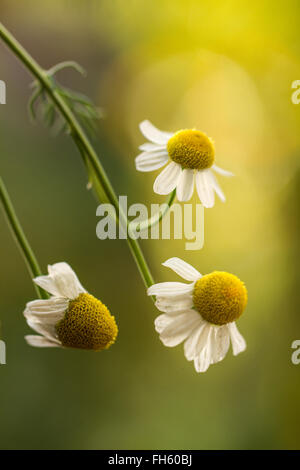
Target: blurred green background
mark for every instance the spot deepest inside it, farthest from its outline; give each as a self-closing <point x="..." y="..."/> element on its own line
<point x="225" y="67"/>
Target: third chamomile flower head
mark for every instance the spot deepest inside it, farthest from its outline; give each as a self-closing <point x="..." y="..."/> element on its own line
<point x="71" y="318"/>
<point x="190" y="155"/>
<point x="201" y="313"/>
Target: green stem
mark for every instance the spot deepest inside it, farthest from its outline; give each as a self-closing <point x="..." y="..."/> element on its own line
<point x="16" y="228"/>
<point x="78" y="135"/>
<point x="156" y="218"/>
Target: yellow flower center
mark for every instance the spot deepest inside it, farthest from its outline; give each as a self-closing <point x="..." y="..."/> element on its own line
<point x="191" y="149"/>
<point x="87" y="324"/>
<point x="220" y="297"/>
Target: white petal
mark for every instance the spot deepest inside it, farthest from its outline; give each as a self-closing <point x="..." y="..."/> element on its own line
<point x="148" y="147"/>
<point x="237" y="340"/>
<point x="53" y="309"/>
<point x="154" y="134"/>
<point x="202" y="339"/>
<point x="174" y="305"/>
<point x="183" y="269"/>
<point x="222" y="172"/>
<point x="216" y="186"/>
<point x="179" y="328"/>
<point x="204" y="359"/>
<point x="44" y="328"/>
<point x="48" y="305"/>
<point x="48" y="284"/>
<point x="41" y="342"/>
<point x="220" y="343"/>
<point x="62" y="281"/>
<point x="190" y="346"/>
<point x="165" y="289"/>
<point x="161" y="322"/>
<point x="167" y="180"/>
<point x="149" y="161"/>
<point x="185" y="187"/>
<point x="205" y="189"/>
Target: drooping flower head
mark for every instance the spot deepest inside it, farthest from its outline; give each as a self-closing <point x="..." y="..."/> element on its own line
<point x="201" y="313"/>
<point x="190" y="155"/>
<point x="71" y="318"/>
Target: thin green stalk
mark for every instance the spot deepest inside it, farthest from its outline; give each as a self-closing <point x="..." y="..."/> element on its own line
<point x="78" y="135"/>
<point x="156" y="218"/>
<point x="21" y="240"/>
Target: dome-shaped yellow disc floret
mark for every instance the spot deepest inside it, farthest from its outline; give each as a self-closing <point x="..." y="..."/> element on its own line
<point x="220" y="297"/>
<point x="191" y="149"/>
<point x="87" y="324"/>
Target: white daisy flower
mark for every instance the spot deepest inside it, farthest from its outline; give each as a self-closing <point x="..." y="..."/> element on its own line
<point x="191" y="156"/>
<point x="201" y="313"/>
<point x="71" y="317"/>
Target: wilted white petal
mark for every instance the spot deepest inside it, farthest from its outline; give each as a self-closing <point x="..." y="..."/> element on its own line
<point x="148" y="147"/>
<point x="237" y="340"/>
<point x="174" y="305"/>
<point x="205" y="189"/>
<point x="220" y="343"/>
<point x="150" y="161"/>
<point x="190" y="345"/>
<point x="44" y="328"/>
<point x="161" y="322"/>
<point x="183" y="269"/>
<point x="222" y="172"/>
<point x="170" y="289"/>
<point x="167" y="180"/>
<point x="154" y="134"/>
<point x="185" y="187"/>
<point x="41" y="342"/>
<point x="53" y="309"/>
<point x="203" y="360"/>
<point x="202" y="339"/>
<point x="179" y="328"/>
<point x="63" y="279"/>
<point x="48" y="305"/>
<point x="48" y="284"/>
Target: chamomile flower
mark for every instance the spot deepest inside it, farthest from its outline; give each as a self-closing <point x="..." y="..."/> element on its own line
<point x="190" y="155"/>
<point x="201" y="314"/>
<point x="71" y="318"/>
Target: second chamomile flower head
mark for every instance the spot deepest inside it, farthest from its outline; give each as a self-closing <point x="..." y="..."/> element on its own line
<point x="190" y="155"/>
<point x="71" y="318"/>
<point x="201" y="314"/>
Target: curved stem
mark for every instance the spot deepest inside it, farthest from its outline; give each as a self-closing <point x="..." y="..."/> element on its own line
<point x="156" y="218"/>
<point x="21" y="240"/>
<point x="76" y="130"/>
